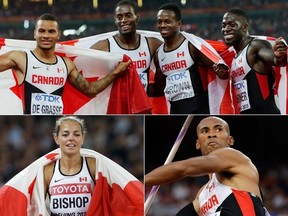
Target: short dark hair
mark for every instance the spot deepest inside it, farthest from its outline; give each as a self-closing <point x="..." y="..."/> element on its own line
<point x="127" y="2"/>
<point x="172" y="7"/>
<point x="47" y="16"/>
<point x="239" y="12"/>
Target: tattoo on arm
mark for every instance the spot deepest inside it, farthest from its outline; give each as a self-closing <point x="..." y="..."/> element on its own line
<point x="93" y="88"/>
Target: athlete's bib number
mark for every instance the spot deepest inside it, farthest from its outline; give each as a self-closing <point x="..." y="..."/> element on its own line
<point x="241" y="91"/>
<point x="46" y="104"/>
<point x="179" y="86"/>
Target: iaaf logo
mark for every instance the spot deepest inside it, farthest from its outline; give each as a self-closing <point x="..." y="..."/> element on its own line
<point x="48" y="98"/>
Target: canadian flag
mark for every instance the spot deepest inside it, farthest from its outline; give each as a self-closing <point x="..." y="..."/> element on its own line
<point x="219" y="91"/>
<point x="127" y="95"/>
<point x="116" y="193"/>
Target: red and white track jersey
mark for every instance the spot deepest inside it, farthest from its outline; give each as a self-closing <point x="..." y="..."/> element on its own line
<point x="70" y="194"/>
<point x="43" y="86"/>
<point x="140" y="56"/>
<point x="218" y="199"/>
<point x="254" y="91"/>
<point x="175" y="65"/>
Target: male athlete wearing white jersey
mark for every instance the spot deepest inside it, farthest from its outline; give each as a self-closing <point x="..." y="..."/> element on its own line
<point x="139" y="48"/>
<point x="252" y="72"/>
<point x="233" y="188"/>
<point x="42" y="74"/>
<point x="177" y="61"/>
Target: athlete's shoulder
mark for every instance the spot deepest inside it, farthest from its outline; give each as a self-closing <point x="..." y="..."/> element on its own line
<point x="91" y="163"/>
<point x="102" y="45"/>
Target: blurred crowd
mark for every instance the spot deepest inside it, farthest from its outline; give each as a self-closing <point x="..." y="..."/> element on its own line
<point x="203" y="18"/>
<point x="26" y="138"/>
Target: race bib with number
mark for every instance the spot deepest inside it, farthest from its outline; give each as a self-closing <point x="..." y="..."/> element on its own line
<point x="242" y="97"/>
<point x="46" y="104"/>
<point x="179" y="86"/>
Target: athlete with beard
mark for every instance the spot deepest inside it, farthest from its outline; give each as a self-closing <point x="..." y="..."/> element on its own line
<point x="252" y="67"/>
<point x="42" y="74"/>
<point x="177" y="61"/>
<point x="233" y="188"/>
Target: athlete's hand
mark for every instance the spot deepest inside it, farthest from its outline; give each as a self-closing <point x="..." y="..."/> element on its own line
<point x="221" y="70"/>
<point x="122" y="67"/>
<point x="280" y="48"/>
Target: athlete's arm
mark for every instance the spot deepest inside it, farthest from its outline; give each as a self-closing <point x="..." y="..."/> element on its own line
<point x="280" y="52"/>
<point x="221" y="70"/>
<point x="220" y="160"/>
<point x="48" y="172"/>
<point x="91" y="89"/>
<point x="262" y="57"/>
<point x="102" y="45"/>
<point x="14" y="60"/>
<point x="156" y="89"/>
<point x="154" y="44"/>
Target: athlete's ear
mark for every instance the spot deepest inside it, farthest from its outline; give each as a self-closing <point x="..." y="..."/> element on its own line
<point x="245" y="27"/>
<point x="34" y="35"/>
<point x="56" y="140"/>
<point x="231" y="141"/>
<point x="59" y="35"/>
<point x="137" y="17"/>
<point x="197" y="144"/>
<point x="179" y="23"/>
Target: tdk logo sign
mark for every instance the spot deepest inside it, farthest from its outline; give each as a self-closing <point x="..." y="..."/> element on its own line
<point x="177" y="76"/>
<point x="239" y="85"/>
<point x="48" y="98"/>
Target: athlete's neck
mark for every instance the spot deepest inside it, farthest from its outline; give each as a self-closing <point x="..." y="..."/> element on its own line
<point x="128" y="41"/>
<point x="243" y="43"/>
<point x="173" y="42"/>
<point x="46" y="56"/>
<point x="70" y="164"/>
